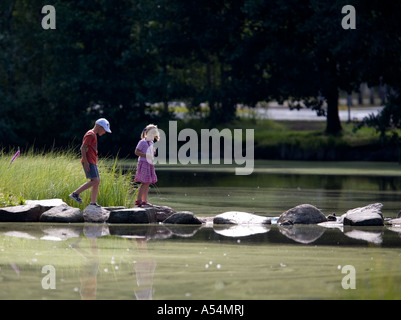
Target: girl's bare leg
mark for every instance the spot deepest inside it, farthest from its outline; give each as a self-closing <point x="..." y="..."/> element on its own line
<point x="143" y="192"/>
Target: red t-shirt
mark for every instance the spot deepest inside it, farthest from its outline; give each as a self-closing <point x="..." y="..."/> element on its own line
<point x="90" y="139"/>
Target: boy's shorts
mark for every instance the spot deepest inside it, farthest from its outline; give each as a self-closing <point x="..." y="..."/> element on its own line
<point x="93" y="171"/>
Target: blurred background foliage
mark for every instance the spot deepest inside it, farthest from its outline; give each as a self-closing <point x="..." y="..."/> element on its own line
<point x="117" y="59"/>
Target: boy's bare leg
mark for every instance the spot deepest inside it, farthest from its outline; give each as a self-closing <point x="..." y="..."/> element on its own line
<point x="95" y="190"/>
<point x="94" y="184"/>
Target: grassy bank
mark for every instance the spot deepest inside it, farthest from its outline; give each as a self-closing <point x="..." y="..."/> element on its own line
<point x="307" y="140"/>
<point x="311" y="135"/>
<point x="55" y="174"/>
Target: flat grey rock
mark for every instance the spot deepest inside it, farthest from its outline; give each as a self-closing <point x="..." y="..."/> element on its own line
<point x="184" y="217"/>
<point x="62" y="213"/>
<point x="240" y="218"/>
<point x="24" y="213"/>
<point x="369" y="215"/>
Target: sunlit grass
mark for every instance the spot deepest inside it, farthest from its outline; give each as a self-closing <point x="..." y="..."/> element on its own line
<point x="46" y="175"/>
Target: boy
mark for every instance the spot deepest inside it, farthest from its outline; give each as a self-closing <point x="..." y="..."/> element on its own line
<point x="89" y="161"/>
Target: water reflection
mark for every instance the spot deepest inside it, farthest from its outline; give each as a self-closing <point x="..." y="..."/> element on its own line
<point x="131" y="260"/>
<point x="144" y="268"/>
<point x="302" y="233"/>
<point x="90" y="268"/>
<point x="370" y="235"/>
<point x="218" y="178"/>
<point x="330" y="233"/>
<point x="270" y="194"/>
<point x="237" y="231"/>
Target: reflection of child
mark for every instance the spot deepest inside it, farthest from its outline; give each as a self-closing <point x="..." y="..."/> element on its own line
<point x="145" y="172"/>
<point x="145" y="270"/>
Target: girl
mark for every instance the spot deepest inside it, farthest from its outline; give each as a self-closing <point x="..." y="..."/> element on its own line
<point x="145" y="172"/>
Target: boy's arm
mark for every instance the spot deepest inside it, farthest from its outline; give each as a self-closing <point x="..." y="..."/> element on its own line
<point x="84" y="150"/>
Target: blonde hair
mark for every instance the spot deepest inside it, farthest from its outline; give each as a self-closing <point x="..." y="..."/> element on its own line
<point x="148" y="128"/>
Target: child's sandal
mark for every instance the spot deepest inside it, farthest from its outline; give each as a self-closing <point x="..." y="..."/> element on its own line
<point x="138" y="203"/>
<point x="145" y="203"/>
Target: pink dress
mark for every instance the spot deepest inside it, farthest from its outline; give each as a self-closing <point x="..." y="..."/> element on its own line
<point x="145" y="171"/>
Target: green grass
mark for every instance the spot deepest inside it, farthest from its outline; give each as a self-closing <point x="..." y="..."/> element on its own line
<point x="38" y="175"/>
<point x="7" y="199"/>
<point x="307" y="134"/>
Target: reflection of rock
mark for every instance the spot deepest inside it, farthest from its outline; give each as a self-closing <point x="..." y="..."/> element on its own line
<point x="240" y="218"/>
<point x="62" y="213"/>
<point x="184" y="217"/>
<point x="95" y="214"/>
<point x="302" y="214"/>
<point x="302" y="233"/>
<point x="140" y="231"/>
<point x="184" y="231"/>
<point x="96" y="230"/>
<point x="63" y="233"/>
<point x="395" y="229"/>
<point x="370" y="236"/>
<point x="19" y="234"/>
<point x="369" y="215"/>
<point x="241" y="230"/>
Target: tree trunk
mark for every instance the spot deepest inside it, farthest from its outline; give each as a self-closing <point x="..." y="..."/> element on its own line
<point x="372" y="96"/>
<point x="360" y="94"/>
<point x="333" y="125"/>
<point x="210" y="85"/>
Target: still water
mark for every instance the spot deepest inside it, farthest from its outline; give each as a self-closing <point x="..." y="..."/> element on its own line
<point x="99" y="261"/>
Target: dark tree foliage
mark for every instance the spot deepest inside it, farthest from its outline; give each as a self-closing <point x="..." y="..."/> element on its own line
<point x="309" y="56"/>
<point x="116" y="58"/>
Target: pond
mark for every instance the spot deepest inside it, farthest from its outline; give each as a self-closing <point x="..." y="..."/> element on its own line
<point x="276" y="186"/>
<point x="159" y="262"/>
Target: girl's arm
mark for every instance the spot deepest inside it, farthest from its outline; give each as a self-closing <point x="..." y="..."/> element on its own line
<point x="139" y="153"/>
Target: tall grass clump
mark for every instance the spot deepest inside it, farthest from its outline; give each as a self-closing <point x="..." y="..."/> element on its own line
<point x="45" y="175"/>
